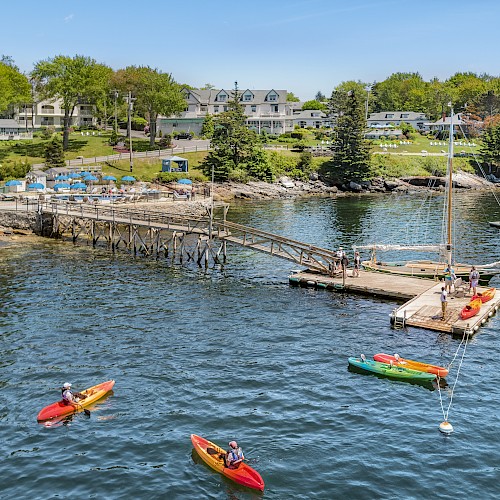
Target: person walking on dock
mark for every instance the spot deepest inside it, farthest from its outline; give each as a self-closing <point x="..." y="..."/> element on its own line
<point x="444" y="301"/>
<point x="449" y="278"/>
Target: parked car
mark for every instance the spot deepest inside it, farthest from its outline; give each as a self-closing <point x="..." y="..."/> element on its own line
<point x="183" y="135"/>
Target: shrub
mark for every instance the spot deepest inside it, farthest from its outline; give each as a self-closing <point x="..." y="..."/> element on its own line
<point x="298" y="133"/>
<point x="165" y="142"/>
<point x="47" y="132"/>
<point x="239" y="175"/>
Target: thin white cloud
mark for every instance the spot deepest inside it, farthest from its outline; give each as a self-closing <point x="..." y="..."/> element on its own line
<point x="69" y="18"/>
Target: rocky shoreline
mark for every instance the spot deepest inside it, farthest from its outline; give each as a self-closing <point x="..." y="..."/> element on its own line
<point x="287" y="188"/>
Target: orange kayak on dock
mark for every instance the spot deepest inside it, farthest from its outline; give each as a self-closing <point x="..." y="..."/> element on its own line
<point x="471" y="309"/>
<point x="213" y="456"/>
<point x="61" y="409"/>
<point x="485" y="296"/>
<point x="440" y="371"/>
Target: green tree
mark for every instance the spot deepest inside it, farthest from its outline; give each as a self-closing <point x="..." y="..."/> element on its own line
<point x="154" y="93"/>
<point x="314" y="105"/>
<point x="207" y="128"/>
<point x="490" y="150"/>
<point x="54" y="154"/>
<point x="465" y="88"/>
<point x="234" y="146"/>
<point x="73" y="80"/>
<point x="14" y="86"/>
<point x="291" y="97"/>
<point x="351" y="160"/>
<point x="401" y="92"/>
<point x="319" y="96"/>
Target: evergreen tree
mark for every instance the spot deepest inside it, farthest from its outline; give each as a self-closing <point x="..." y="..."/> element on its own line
<point x="351" y="160"/>
<point x="54" y="154"/>
<point x="234" y="146"/>
<point x="490" y="152"/>
<point x="207" y="129"/>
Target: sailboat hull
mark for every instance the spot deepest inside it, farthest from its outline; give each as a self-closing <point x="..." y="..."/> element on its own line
<point x="426" y="269"/>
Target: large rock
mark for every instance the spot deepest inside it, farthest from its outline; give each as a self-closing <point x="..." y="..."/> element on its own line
<point x="354" y="186"/>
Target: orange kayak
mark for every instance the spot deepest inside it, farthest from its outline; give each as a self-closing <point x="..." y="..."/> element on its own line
<point x="471" y="309"/>
<point x="440" y="371"/>
<point x="61" y="409"/>
<point x="486" y="295"/>
<point x="213" y="456"/>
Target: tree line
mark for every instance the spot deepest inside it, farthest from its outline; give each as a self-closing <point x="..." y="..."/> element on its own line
<point x="82" y="80"/>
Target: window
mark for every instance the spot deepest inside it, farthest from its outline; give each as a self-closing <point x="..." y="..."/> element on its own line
<point x="274" y="108"/>
<point x="404" y="115"/>
<point x="221" y="97"/>
<point x="247" y="97"/>
<point x="389" y="116"/>
<point x="216" y="109"/>
<point x="254" y="109"/>
<point x="225" y="108"/>
<point x="272" y="97"/>
<point x="204" y="108"/>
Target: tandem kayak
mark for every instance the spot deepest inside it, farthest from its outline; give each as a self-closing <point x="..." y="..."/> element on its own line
<point x="440" y="371"/>
<point x="485" y="296"/>
<point x="61" y="409"/>
<point x="471" y="309"/>
<point x="213" y="456"/>
<point x="387" y="370"/>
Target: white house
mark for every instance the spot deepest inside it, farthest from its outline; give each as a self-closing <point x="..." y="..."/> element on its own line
<point x="51" y="114"/>
<point x="386" y="119"/>
<point x="265" y="110"/>
<point x="10" y="130"/>
<point x="313" y="118"/>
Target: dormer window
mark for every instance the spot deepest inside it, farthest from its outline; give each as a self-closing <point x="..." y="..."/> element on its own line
<point x="404" y="115"/>
<point x="389" y="116"/>
<point x="221" y="97"/>
<point x="247" y="97"/>
<point x="272" y="97"/>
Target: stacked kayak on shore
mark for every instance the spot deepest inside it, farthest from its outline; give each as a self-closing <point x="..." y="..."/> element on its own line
<point x="214" y="457"/>
<point x="390" y="370"/>
<point x="440" y="371"/>
<point x="61" y="409"/>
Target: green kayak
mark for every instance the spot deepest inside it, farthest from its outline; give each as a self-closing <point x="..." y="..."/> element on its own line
<point x="387" y="370"/>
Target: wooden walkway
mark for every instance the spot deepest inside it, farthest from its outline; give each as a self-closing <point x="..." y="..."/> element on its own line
<point x="423" y="306"/>
<point x="389" y="286"/>
<point x="424" y="311"/>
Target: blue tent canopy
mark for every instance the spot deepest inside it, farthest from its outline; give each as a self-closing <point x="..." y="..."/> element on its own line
<point x="79" y="185"/>
<point x="36" y="185"/>
<point x="128" y="178"/>
<point x="90" y="177"/>
<point x="184" y="181"/>
<point x="62" y="177"/>
<point x="13" y="182"/>
<point x="109" y="178"/>
<point x="61" y="185"/>
<point x="74" y="175"/>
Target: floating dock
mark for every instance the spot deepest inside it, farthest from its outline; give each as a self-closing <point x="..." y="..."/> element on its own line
<point x="422" y="307"/>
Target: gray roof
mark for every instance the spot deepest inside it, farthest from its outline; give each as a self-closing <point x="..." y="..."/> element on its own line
<point x="457" y="120"/>
<point x="306" y="114"/>
<point x="206" y="97"/>
<point x="397" y="115"/>
<point x="9" y="123"/>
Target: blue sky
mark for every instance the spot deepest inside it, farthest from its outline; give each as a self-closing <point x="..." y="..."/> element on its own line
<point x="299" y="45"/>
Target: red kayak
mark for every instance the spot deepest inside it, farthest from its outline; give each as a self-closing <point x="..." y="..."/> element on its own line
<point x="440" y="371"/>
<point x="486" y="295"/>
<point x="471" y="309"/>
<point x="61" y="409"/>
<point x="213" y="456"/>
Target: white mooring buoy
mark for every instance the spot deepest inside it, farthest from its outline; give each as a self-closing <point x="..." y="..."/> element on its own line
<point x="445" y="427"/>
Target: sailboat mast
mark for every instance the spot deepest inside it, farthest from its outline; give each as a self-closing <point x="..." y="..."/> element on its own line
<point x="450" y="191"/>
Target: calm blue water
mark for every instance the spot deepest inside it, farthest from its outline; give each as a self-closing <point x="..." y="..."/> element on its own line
<point x="236" y="353"/>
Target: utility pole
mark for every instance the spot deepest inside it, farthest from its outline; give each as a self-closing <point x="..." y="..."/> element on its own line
<point x="116" y="112"/>
<point x="130" y="129"/>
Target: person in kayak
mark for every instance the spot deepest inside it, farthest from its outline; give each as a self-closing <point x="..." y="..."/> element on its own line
<point x="70" y="397"/>
<point x="234" y="455"/>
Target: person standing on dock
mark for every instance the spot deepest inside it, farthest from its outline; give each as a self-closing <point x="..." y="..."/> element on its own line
<point x="344" y="262"/>
<point x="357" y="265"/>
<point x="444" y="301"/>
<point x="449" y="278"/>
<point x="473" y="280"/>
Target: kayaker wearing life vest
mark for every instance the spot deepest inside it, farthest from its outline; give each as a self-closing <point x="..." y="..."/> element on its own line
<point x="70" y="397"/>
<point x="234" y="455"/>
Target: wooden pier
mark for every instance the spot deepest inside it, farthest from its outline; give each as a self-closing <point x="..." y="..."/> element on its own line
<point x="423" y="306"/>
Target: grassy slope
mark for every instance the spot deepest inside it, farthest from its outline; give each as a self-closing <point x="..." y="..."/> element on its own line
<point x="391" y="165"/>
